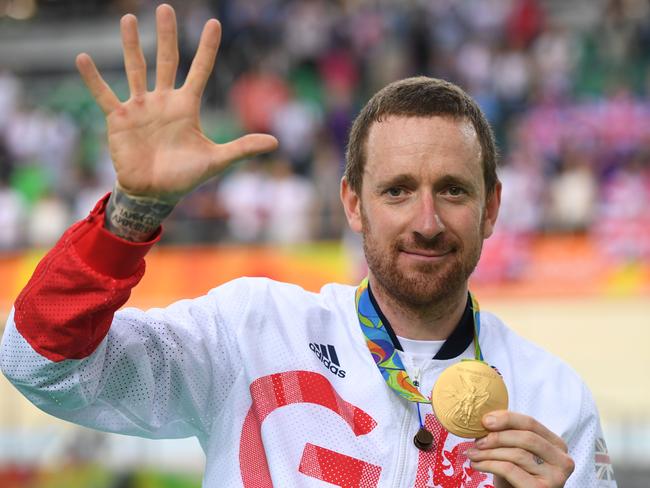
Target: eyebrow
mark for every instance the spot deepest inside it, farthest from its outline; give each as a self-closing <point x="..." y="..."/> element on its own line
<point x="397" y="180"/>
<point x="451" y="180"/>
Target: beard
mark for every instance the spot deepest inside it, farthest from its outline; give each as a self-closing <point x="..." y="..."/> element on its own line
<point x="423" y="284"/>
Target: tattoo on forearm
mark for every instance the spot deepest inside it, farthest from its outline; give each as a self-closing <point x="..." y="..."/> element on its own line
<point x="134" y="218"/>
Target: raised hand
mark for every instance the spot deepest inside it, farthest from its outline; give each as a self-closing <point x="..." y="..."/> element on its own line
<point x="155" y="138"/>
<point x="521" y="453"/>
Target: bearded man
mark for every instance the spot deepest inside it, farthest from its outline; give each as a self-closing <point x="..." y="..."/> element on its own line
<point x="283" y="387"/>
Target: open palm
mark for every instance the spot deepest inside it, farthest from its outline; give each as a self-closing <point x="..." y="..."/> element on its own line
<point x="155" y="137"/>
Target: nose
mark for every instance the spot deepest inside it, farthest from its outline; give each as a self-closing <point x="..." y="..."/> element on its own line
<point x="427" y="222"/>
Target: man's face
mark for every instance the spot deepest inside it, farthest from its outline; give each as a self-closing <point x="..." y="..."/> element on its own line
<point x="422" y="211"/>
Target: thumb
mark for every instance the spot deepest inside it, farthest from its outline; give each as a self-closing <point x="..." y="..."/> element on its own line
<point x="244" y="147"/>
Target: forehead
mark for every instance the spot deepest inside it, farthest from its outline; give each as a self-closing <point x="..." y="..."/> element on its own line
<point x="423" y="144"/>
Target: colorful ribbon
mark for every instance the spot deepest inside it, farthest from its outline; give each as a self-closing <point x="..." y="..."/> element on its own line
<point x="383" y="350"/>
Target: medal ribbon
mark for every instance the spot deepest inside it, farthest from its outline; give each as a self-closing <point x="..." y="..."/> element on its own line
<point x="383" y="350"/>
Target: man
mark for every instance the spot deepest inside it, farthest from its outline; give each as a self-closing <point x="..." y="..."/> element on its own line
<point x="283" y="387"/>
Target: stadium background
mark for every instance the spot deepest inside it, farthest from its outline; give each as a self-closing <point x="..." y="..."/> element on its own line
<point x="565" y="85"/>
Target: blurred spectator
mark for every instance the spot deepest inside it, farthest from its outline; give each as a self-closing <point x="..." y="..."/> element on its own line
<point x="328" y="169"/>
<point x="198" y="218"/>
<point x="256" y="96"/>
<point x="507" y="252"/>
<point x="241" y="194"/>
<point x="572" y="193"/>
<point x="90" y="190"/>
<point x="307" y="34"/>
<point x="511" y="72"/>
<point x="554" y="54"/>
<point x="289" y="201"/>
<point x="521" y="209"/>
<point x="295" y="125"/>
<point x="48" y="218"/>
<point x="524" y="23"/>
<point x="13" y="210"/>
<point x="623" y="227"/>
<point x="615" y="33"/>
<point x="265" y="201"/>
<point x="9" y="96"/>
<point x="36" y="137"/>
<point x="641" y="47"/>
<point x="474" y="64"/>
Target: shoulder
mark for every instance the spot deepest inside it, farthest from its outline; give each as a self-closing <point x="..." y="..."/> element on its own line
<point x="255" y="288"/>
<point x="248" y="297"/>
<point x="540" y="383"/>
<point x="497" y="336"/>
<point x="276" y="322"/>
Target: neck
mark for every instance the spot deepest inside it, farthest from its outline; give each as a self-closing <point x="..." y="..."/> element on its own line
<point x="433" y="321"/>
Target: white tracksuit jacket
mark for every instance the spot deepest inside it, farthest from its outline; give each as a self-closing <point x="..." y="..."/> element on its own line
<point x="275" y="382"/>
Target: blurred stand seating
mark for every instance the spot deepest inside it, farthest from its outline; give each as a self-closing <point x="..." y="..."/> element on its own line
<point x="565" y="86"/>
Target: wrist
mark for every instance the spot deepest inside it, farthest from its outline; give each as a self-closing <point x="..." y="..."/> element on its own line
<point x="134" y="218"/>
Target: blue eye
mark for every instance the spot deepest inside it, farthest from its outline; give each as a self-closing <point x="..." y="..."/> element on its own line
<point x="394" y="192"/>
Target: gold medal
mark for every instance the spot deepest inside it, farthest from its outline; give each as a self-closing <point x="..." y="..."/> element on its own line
<point x="464" y="393"/>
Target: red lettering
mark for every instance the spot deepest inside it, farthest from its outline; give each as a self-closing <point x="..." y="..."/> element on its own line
<point x="338" y="469"/>
<point x="277" y="390"/>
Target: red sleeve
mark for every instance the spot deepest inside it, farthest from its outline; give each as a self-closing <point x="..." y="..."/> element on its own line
<point x="67" y="307"/>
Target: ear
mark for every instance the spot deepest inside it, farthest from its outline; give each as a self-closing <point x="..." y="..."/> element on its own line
<point x="351" y="205"/>
<point x="492" y="211"/>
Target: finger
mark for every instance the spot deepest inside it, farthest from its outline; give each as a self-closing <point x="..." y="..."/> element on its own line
<point x="203" y="61"/>
<point x="512" y="473"/>
<point x="504" y="419"/>
<point x="167" y="50"/>
<point x="99" y="89"/>
<point x="241" y="148"/>
<point x="526" y="440"/>
<point x="134" y="62"/>
<point x="527" y="461"/>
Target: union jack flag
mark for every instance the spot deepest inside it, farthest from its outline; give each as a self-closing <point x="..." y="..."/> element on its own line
<point x="604" y="470"/>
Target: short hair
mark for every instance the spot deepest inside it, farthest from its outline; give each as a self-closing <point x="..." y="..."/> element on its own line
<point x="419" y="96"/>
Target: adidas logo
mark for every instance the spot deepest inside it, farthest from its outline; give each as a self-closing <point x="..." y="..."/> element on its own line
<point x="327" y="356"/>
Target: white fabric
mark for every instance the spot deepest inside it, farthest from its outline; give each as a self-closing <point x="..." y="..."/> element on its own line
<point x="420" y="347"/>
<point x="187" y="370"/>
<point x="416" y="353"/>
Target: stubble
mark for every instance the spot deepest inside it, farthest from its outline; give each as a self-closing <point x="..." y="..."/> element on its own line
<point x="423" y="285"/>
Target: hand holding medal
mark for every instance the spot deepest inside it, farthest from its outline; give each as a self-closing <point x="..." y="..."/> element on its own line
<point x="462" y="398"/>
<point x="521" y="452"/>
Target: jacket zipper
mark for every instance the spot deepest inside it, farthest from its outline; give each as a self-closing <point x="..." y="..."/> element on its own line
<point x="405" y="438"/>
<point x="403" y="448"/>
<point x="416" y="377"/>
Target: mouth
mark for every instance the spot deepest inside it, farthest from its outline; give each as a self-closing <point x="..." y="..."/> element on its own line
<point x="426" y="254"/>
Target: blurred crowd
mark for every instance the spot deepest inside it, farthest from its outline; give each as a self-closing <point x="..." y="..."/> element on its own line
<point x="570" y="105"/>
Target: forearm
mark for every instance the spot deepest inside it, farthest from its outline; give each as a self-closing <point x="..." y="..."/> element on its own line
<point x="134" y="218"/>
<point x="124" y="386"/>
